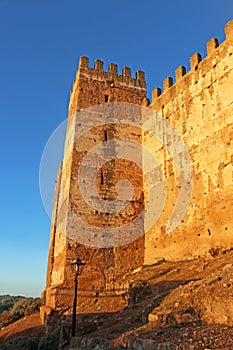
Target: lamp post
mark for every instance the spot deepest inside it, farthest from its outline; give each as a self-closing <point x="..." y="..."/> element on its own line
<point x="79" y="266"/>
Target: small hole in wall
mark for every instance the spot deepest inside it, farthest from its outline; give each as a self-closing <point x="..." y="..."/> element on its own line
<point x="209" y="232"/>
<point x="226" y="228"/>
<point x="198" y="234"/>
<point x="106" y="98"/>
<point x="196" y="68"/>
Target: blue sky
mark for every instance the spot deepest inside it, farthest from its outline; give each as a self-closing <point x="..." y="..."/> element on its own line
<point x="41" y="42"/>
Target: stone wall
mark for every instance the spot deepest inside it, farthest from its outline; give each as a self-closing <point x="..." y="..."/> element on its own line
<point x="200" y="106"/>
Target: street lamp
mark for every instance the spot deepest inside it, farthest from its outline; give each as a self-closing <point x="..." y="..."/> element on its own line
<point x="79" y="266"/>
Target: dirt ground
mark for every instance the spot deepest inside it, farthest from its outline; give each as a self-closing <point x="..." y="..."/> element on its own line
<point x="185" y="302"/>
<point x="27" y="326"/>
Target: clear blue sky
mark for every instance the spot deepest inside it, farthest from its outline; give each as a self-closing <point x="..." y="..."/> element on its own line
<point x="41" y="41"/>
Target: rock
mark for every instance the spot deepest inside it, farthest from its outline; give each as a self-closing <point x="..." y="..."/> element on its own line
<point x="137" y="345"/>
<point x="160" y="316"/>
<point x="153" y="318"/>
<point x="183" y="318"/>
<point x="148" y="344"/>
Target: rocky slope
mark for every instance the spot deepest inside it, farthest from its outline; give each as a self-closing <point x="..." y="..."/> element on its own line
<point x="171" y="305"/>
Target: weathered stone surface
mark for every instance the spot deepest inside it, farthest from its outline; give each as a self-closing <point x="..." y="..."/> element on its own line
<point x="200" y="106"/>
<point x="93" y="86"/>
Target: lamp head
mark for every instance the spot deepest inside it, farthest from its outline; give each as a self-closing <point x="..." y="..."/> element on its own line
<point x="79" y="266"/>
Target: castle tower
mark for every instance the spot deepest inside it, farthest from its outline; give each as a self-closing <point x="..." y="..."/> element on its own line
<point x="198" y="107"/>
<point x="91" y="87"/>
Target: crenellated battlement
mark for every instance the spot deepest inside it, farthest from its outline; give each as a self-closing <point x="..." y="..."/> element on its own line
<point x="98" y="73"/>
<point x="196" y="63"/>
<point x="112" y="70"/>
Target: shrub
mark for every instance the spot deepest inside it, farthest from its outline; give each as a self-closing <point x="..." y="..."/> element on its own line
<point x="6" y="318"/>
<point x="25" y="307"/>
<point x="7" y="301"/>
<point x="49" y="341"/>
<point x="21" y="343"/>
<point x="33" y="307"/>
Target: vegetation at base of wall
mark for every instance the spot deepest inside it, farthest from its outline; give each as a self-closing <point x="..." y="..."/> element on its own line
<point x="16" y="308"/>
<point x="21" y="343"/>
<point x="47" y="342"/>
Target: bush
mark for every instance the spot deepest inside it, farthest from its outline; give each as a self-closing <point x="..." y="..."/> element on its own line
<point x="7" y="301"/>
<point x="25" y="307"/>
<point x="20" y="306"/>
<point x="33" y="307"/>
<point x="21" y="343"/>
<point x="49" y="341"/>
<point x="6" y="318"/>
